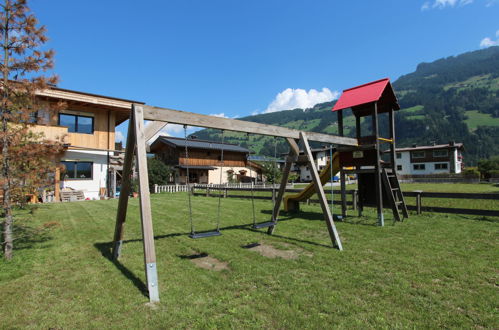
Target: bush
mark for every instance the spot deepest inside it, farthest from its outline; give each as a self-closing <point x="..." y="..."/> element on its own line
<point x="494" y="174"/>
<point x="159" y="172"/>
<point x="471" y="172"/>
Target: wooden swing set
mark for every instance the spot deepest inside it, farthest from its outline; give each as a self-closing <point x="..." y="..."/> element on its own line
<point x="136" y="146"/>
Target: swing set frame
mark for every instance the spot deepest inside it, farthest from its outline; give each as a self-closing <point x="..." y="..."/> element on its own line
<point x="137" y="136"/>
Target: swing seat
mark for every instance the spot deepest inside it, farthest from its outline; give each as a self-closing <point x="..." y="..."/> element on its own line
<point x="264" y="225"/>
<point x="205" y="234"/>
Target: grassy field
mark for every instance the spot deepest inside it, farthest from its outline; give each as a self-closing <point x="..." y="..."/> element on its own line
<point x="475" y="119"/>
<point x="430" y="271"/>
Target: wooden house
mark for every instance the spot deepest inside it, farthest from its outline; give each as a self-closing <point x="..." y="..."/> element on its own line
<point x="205" y="161"/>
<point x="86" y="126"/>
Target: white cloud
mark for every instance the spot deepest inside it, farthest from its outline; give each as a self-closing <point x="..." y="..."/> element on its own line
<point x="119" y="137"/>
<point x="220" y="115"/>
<point x="488" y="42"/>
<point x="290" y="99"/>
<point x="445" y="3"/>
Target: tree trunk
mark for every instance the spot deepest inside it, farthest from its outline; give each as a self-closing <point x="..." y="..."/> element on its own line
<point x="8" y="240"/>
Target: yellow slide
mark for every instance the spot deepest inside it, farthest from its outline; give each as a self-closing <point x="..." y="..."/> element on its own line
<point x="291" y="201"/>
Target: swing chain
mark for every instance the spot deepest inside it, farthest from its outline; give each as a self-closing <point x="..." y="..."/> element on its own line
<point x="220" y="182"/>
<point x="187" y="181"/>
<point x="251" y="180"/>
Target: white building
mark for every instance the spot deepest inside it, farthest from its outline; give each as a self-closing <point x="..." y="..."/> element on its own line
<point x="426" y="160"/>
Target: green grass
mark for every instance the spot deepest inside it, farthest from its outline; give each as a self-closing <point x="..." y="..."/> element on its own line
<point x="430" y="271"/>
<point x="480" y="81"/>
<point x="475" y="119"/>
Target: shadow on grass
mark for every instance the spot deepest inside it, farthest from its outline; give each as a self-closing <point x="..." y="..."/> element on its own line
<point x="26" y="237"/>
<point x="106" y="251"/>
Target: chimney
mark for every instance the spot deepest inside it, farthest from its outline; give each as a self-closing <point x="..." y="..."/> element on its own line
<point x="452" y="143"/>
<point x="414" y="145"/>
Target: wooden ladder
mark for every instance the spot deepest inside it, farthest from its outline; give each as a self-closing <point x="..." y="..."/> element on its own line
<point x="394" y="193"/>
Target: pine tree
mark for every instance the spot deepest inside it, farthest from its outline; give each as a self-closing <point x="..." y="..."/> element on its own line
<point x="25" y="157"/>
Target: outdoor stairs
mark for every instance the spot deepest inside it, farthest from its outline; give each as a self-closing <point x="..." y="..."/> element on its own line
<point x="72" y="195"/>
<point x="394" y="193"/>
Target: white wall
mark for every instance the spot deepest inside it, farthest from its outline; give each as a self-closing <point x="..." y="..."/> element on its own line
<point x="214" y="175"/>
<point x="91" y="187"/>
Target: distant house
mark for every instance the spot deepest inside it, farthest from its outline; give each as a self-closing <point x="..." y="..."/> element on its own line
<point x="434" y="159"/>
<point x="321" y="157"/>
<point x="205" y="161"/>
<point x="86" y="127"/>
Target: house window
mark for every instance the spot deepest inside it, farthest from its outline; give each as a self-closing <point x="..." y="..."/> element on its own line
<point x="419" y="167"/>
<point x="77" y="123"/>
<point x="399" y="155"/>
<point x="418" y="154"/>
<point x="440" y="153"/>
<point x="77" y="170"/>
<point x="399" y="167"/>
<point x="441" y="166"/>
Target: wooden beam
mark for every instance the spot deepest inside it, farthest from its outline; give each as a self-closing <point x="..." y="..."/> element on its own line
<point x="326" y="211"/>
<point x="293" y="151"/>
<point x="145" y="206"/>
<point x="126" y="185"/>
<point x="194" y="119"/>
<point x="152" y="128"/>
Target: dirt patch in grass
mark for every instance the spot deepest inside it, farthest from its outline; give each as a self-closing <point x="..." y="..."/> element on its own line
<point x="204" y="261"/>
<point x="270" y="251"/>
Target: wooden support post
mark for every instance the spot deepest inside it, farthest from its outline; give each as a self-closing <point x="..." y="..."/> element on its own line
<point x="418" y="201"/>
<point x="391" y="118"/>
<point x="294" y="150"/>
<point x="343" y="187"/>
<point x="328" y="217"/>
<point x="340" y="122"/>
<point x="354" y="199"/>
<point x="145" y="207"/>
<point x="125" y="188"/>
<point x="377" y="166"/>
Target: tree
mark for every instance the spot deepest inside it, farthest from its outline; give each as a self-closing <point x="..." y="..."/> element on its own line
<point x="487" y="167"/>
<point x="26" y="158"/>
<point x="271" y="172"/>
<point x="159" y="172"/>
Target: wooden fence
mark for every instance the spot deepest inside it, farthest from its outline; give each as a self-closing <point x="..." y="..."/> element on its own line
<point x="353" y="198"/>
<point x="182" y="187"/>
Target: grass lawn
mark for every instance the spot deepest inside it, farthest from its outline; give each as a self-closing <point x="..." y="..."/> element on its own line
<point x="430" y="271"/>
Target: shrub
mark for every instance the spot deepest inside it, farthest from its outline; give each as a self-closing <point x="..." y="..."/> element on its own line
<point x="159" y="172"/>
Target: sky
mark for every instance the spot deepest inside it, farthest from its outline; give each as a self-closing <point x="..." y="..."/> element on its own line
<point x="234" y="58"/>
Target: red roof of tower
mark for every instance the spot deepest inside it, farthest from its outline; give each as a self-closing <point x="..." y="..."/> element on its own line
<point x="358" y="97"/>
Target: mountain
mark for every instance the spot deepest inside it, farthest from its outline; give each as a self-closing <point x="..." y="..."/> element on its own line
<point x="451" y="99"/>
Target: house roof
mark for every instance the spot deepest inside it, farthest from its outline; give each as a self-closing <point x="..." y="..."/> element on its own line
<point x="437" y="146"/>
<point x="359" y="97"/>
<point x="197" y="144"/>
<point x="121" y="107"/>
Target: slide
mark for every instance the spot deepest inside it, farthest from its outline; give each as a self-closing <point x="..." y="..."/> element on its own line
<point x="291" y="200"/>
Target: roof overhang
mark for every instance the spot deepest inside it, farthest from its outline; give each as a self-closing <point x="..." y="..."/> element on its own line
<point x="122" y="107"/>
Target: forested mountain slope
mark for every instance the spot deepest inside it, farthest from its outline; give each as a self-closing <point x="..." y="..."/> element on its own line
<point x="455" y="98"/>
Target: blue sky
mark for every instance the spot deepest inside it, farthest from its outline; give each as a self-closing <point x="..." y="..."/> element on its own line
<point x="235" y="57"/>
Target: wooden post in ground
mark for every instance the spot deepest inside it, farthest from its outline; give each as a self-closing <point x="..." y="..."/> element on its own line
<point x="125" y="189"/>
<point x="145" y="207"/>
<point x="294" y="150"/>
<point x="326" y="211"/>
<point x="377" y="168"/>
